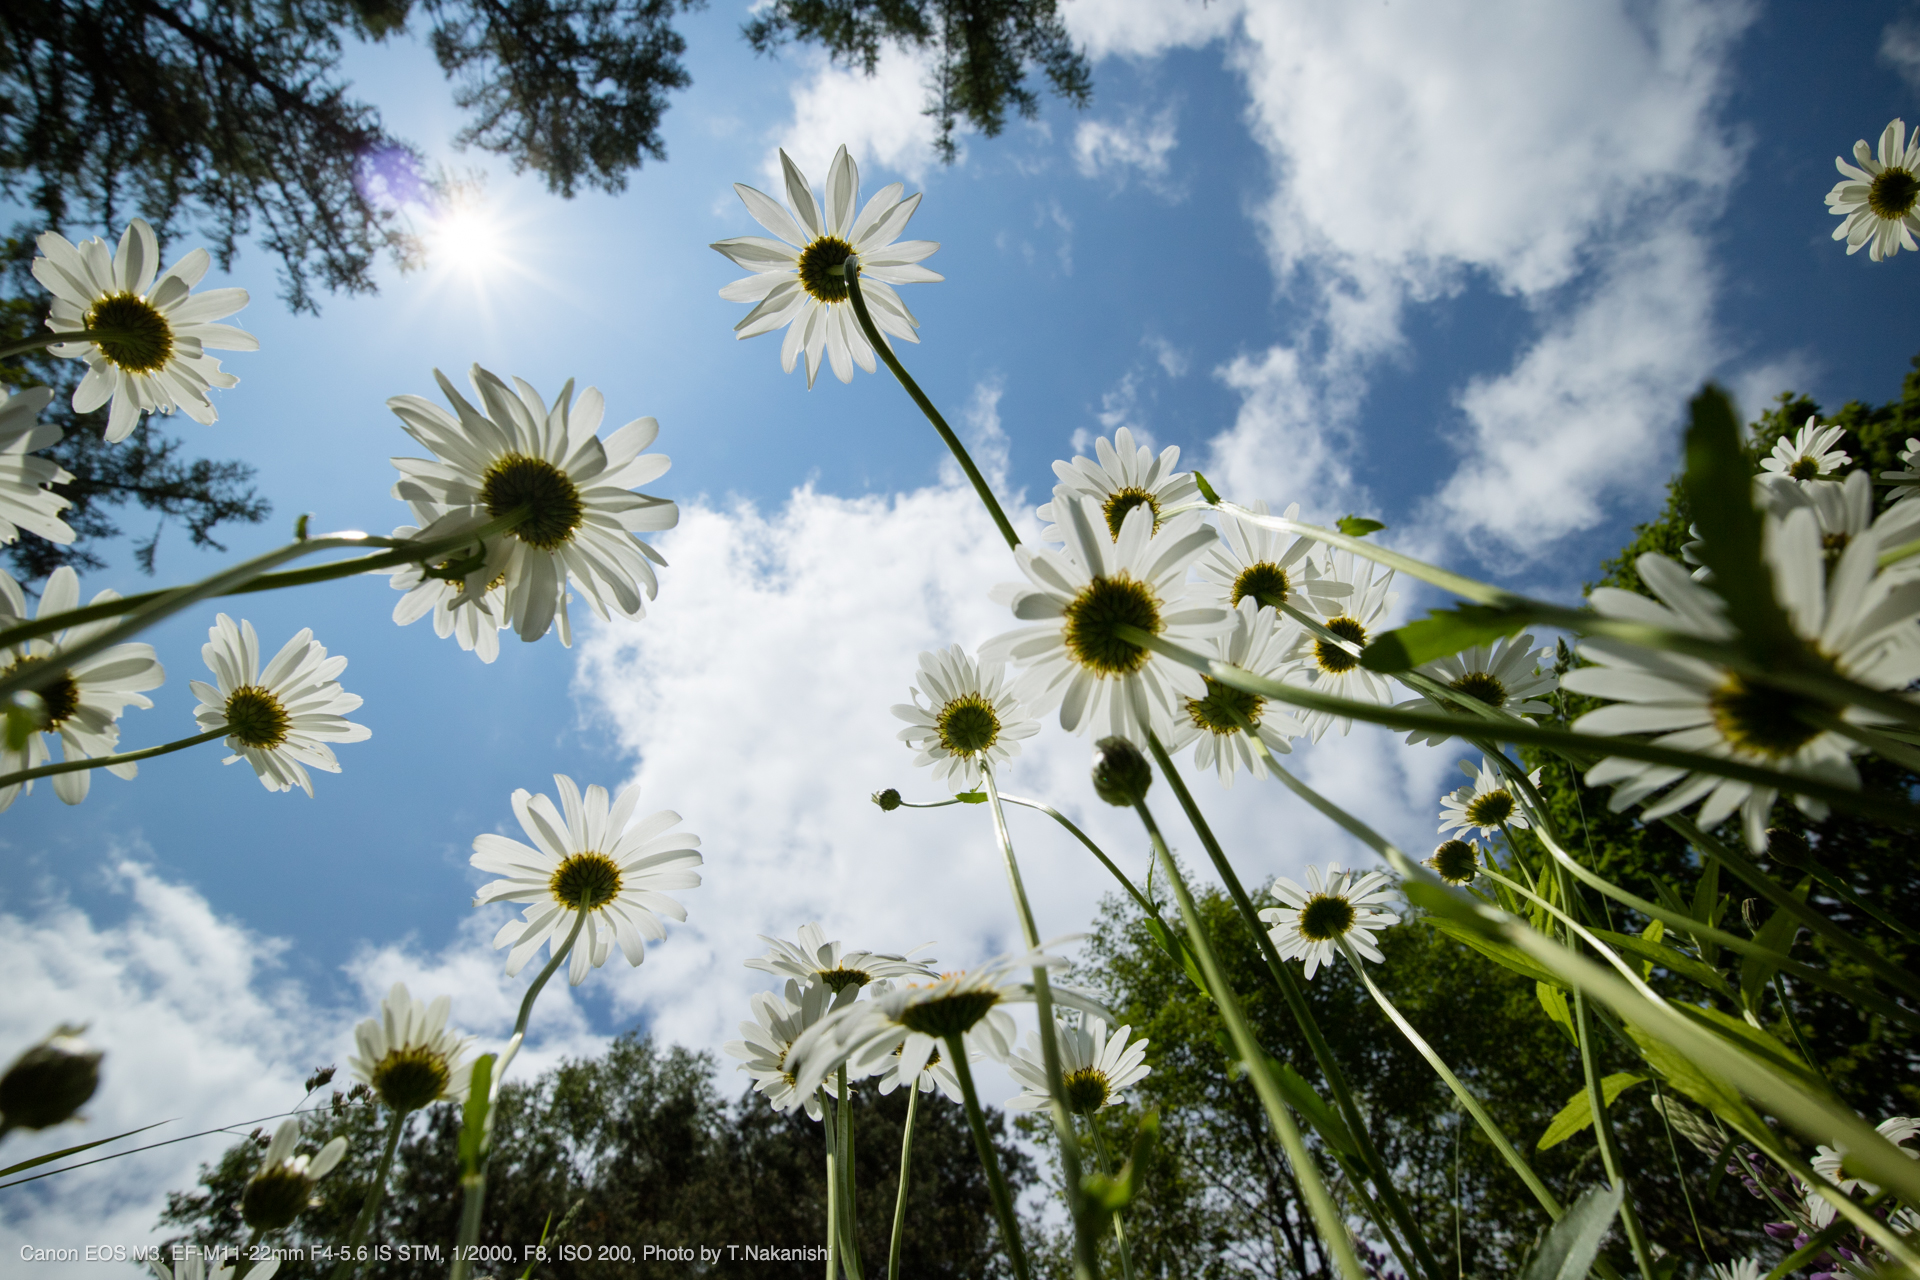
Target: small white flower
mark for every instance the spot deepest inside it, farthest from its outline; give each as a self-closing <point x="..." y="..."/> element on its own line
<point x="1829" y="1162"/>
<point x="156" y="361"/>
<point x="1843" y="510"/>
<point x="1507" y="675"/>
<point x="970" y="722"/>
<point x="1095" y="1069"/>
<point x="408" y="1055"/>
<point x="26" y="501"/>
<point x="767" y="1044"/>
<point x="1880" y="197"/>
<point x="1125" y="476"/>
<point x="1337" y="909"/>
<point x="793" y="284"/>
<point x="280" y="719"/>
<point x="1075" y="659"/>
<point x="1808" y="454"/>
<point x="283" y="1185"/>
<point x="1906" y="481"/>
<point x="1742" y="1269"/>
<point x="1335" y="668"/>
<point x="591" y="851"/>
<point x="1272" y="567"/>
<point x="819" y="962"/>
<point x="194" y="1267"/>
<point x="85" y="701"/>
<point x="937" y="1073"/>
<point x="1259" y="643"/>
<point x="1484" y="805"/>
<point x="586" y="520"/>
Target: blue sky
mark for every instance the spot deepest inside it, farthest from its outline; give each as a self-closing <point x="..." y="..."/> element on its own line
<point x="1457" y="270"/>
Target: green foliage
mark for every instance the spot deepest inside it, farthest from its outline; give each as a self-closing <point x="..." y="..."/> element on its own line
<point x="635" y="1148"/>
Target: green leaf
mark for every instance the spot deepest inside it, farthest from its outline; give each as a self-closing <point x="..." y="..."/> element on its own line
<point x="1708" y="903"/>
<point x="1302" y="1098"/>
<point x="1176" y="946"/>
<point x="1578" y="1113"/>
<point x="1492" y="948"/>
<point x="26" y="716"/>
<point x="1708" y="1090"/>
<point x="1112" y="1194"/>
<point x="1206" y="490"/>
<point x="1777" y="935"/>
<point x="473" y="1126"/>
<point x="1677" y="962"/>
<point x="1718" y="483"/>
<point x="971" y="797"/>
<point x="1554" y="1001"/>
<point x="1358" y="526"/>
<point x="1655" y="930"/>
<point x="1759" y="1044"/>
<point x="1441" y="633"/>
<point x="1570" y="1248"/>
<point x="85" y="1146"/>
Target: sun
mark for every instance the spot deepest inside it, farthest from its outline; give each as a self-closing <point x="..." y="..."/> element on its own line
<point x="464" y="238"/>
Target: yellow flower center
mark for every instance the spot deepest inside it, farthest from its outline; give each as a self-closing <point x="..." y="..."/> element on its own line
<point x="1121" y="501"/>
<point x="256" y="718"/>
<point x="1325" y="917"/>
<point x="816" y="259"/>
<point x="838" y="978"/>
<point x="967" y="725"/>
<point x="410" y="1078"/>
<point x="1266" y="582"/>
<point x="1336" y="659"/>
<point x="1491" y="809"/>
<point x="949" y="1015"/>
<point x="1225" y="709"/>
<point x="1762" y="721"/>
<point x="1483" y="686"/>
<point x="1456" y="862"/>
<point x="1087" y="1090"/>
<point x="60" y="695"/>
<point x="582" y="875"/>
<point x="141" y="340"/>
<point x="516" y="480"/>
<point x="1095" y="616"/>
<point x="1893" y="193"/>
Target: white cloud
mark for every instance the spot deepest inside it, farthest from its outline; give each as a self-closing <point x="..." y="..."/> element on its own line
<point x="878" y="117"/>
<point x="1900" y="49"/>
<point x="1514" y="147"/>
<point x="1135" y="144"/>
<point x="1145" y="28"/>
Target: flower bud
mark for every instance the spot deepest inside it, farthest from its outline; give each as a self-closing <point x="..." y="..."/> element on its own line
<point x="888" y="800"/>
<point x="321" y="1077"/>
<point x="1788" y="848"/>
<point x="49" y="1082"/>
<point x="1121" y="774"/>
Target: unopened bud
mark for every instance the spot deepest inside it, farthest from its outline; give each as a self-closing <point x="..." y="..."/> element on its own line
<point x="49" y="1082"/>
<point x="888" y="800"/>
<point x="1788" y="848"/>
<point x="1121" y="774"/>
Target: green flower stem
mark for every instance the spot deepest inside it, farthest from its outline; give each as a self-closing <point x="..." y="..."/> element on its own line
<point x="900" y="1197"/>
<point x="831" y="1126"/>
<point x="1488" y="1126"/>
<point x="1326" y="1215"/>
<point x="1604" y="1136"/>
<point x="960" y="454"/>
<point x="1289" y="986"/>
<point x="1894" y="812"/>
<point x="983" y="1143"/>
<point x="1139" y="899"/>
<point x="476" y="1187"/>
<point x="1793" y="1025"/>
<point x="1810" y="679"/>
<point x="40" y="342"/>
<point x="1119" y="1218"/>
<point x="102" y="762"/>
<point x="1086" y="1242"/>
<point x="250" y="575"/>
<point x="1679" y="1172"/>
<point x="363" y="1221"/>
<point x="850" y="1238"/>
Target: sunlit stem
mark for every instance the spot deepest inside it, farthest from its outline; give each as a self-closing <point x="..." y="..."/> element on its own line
<point x="885" y="351"/>
<point x="103" y="762"/>
<point x="989" y="1159"/>
<point x="849" y="1232"/>
<point x="1894" y="812"/>
<point x="1289" y="986"/>
<point x="41" y="341"/>
<point x="900" y="1197"/>
<point x="1119" y="1217"/>
<point x="251" y="575"/>
<point x="831" y="1127"/>
<point x="1086" y="1244"/>
<point x="1326" y="1215"/>
<point x="1495" y="1134"/>
<point x="476" y="1187"/>
<point x="363" y="1221"/>
<point x="1603" y="1136"/>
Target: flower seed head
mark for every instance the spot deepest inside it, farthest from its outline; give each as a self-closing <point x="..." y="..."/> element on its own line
<point x="49" y="1082"/>
<point x="888" y="800"/>
<point x="1121" y="774"/>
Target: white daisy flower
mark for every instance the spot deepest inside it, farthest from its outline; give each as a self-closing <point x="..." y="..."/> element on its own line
<point x="1484" y="805"/>
<point x="1124" y="477"/>
<point x="1455" y="861"/>
<point x="26" y="501"/>
<point x="1335" y="668"/>
<point x="283" y="1185"/>
<point x="937" y="1073"/>
<point x="1829" y="1162"/>
<point x="1260" y="643"/>
<point x="84" y="702"/>
<point x="1507" y="675"/>
<point x="193" y="1266"/>
<point x="1880" y="197"/>
<point x="155" y="361"/>
<point x="280" y="719"/>
<point x="476" y="621"/>
<point x="1809" y="453"/>
<point x="1843" y="510"/>
<point x="1336" y="909"/>
<point x="792" y="284"/>
<point x="970" y="722"/>
<point x="767" y="1043"/>
<point x="1906" y="481"/>
<point x="916" y="1018"/>
<point x="408" y="1055"/>
<point x="1074" y="658"/>
<point x="818" y="962"/>
<point x="1095" y="1069"/>
<point x="1272" y="567"/>
<point x="1857" y="618"/>
<point x="1742" y="1269"/>
<point x="589" y="851"/>
<point x="585" y="522"/>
